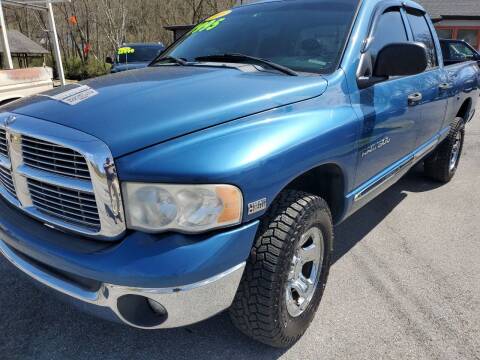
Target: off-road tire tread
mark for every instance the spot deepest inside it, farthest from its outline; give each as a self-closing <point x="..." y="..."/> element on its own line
<point x="255" y="308"/>
<point x="437" y="165"/>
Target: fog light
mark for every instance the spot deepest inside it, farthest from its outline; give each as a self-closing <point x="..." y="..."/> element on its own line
<point x="140" y="311"/>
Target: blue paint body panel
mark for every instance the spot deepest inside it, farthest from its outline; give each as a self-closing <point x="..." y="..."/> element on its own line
<point x="257" y="130"/>
<point x="140" y="108"/>
<point x="139" y="260"/>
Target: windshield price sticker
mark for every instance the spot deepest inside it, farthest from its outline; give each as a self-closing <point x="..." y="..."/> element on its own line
<point x="212" y="22"/>
<point x="219" y="15"/>
<point x="125" y="51"/>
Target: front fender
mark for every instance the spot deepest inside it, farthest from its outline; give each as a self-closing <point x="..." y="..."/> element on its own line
<point x="261" y="154"/>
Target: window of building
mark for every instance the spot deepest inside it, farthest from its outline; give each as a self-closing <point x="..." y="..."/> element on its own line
<point x="469" y="34"/>
<point x="445" y="33"/>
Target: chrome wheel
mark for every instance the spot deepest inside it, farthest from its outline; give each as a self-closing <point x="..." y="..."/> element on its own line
<point x="455" y="151"/>
<point x="305" y="271"/>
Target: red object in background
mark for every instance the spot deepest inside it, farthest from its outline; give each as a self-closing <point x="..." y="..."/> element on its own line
<point x="73" y="20"/>
<point x="86" y="49"/>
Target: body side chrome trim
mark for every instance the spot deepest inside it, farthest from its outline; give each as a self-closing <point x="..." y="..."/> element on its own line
<point x="398" y="170"/>
<point x="425" y="150"/>
<point x="383" y="180"/>
<point x="185" y="304"/>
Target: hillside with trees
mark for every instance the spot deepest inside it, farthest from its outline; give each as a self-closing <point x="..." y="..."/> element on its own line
<point x="91" y="30"/>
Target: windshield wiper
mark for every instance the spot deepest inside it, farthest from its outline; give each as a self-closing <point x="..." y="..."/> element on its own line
<point x="242" y="58"/>
<point x="170" y="59"/>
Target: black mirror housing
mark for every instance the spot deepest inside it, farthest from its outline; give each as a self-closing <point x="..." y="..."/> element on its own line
<point x="401" y="59"/>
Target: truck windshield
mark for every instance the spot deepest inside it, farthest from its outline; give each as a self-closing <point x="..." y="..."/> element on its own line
<point x="137" y="53"/>
<point x="305" y="36"/>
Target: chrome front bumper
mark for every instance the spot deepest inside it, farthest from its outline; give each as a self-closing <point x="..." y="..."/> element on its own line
<point x="184" y="305"/>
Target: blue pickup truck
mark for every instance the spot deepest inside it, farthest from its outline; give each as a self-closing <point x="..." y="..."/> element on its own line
<point x="134" y="56"/>
<point x="213" y="178"/>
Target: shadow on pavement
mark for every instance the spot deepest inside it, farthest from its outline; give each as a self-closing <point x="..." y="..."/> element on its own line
<point x="355" y="228"/>
<point x="37" y="326"/>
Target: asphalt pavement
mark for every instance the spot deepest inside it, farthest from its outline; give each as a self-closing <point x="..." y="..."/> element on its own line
<point x="405" y="284"/>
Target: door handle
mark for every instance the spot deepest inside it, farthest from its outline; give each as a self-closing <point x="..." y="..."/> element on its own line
<point x="445" y="86"/>
<point x="414" y="99"/>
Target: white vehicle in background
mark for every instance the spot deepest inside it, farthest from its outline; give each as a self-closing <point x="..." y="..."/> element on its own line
<point x="18" y="83"/>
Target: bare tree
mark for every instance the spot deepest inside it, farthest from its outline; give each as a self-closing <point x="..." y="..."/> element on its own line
<point x="99" y="27"/>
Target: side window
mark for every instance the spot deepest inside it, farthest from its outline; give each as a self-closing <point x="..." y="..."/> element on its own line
<point x="455" y="52"/>
<point x="389" y="29"/>
<point x="461" y="51"/>
<point x="421" y="33"/>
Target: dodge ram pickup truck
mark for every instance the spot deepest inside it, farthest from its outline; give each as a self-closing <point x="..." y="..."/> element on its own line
<point x="213" y="178"/>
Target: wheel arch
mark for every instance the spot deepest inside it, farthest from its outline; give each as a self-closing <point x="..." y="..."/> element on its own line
<point x="327" y="181"/>
<point x="465" y="109"/>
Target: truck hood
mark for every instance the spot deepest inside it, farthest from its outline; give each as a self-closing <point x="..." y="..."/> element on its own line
<point x="139" y="108"/>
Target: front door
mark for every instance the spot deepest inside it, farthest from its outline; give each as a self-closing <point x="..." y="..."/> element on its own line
<point x="388" y="133"/>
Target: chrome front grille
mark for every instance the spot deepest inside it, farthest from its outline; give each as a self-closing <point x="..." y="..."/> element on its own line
<point x="7" y="182"/>
<point x="54" y="158"/>
<point x="58" y="175"/>
<point x="3" y="143"/>
<point x="73" y="206"/>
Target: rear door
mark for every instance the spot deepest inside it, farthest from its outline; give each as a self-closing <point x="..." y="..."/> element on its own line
<point x="431" y="88"/>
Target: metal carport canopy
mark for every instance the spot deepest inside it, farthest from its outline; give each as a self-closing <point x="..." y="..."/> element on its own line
<point x="42" y="5"/>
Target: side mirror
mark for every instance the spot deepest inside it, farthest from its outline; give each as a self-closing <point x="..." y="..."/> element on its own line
<point x="109" y="60"/>
<point x="401" y="59"/>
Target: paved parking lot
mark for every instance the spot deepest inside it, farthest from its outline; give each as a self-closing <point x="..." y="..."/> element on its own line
<point x="405" y="285"/>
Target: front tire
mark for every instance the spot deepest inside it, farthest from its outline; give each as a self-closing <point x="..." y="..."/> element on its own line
<point x="443" y="163"/>
<point x="286" y="272"/>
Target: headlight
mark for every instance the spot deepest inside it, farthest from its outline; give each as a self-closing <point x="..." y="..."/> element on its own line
<point x="184" y="208"/>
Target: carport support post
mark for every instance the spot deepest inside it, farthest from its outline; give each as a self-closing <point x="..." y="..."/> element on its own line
<point x="7" y="56"/>
<point x="54" y="41"/>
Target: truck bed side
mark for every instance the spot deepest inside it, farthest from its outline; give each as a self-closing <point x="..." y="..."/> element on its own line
<point x="465" y="81"/>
